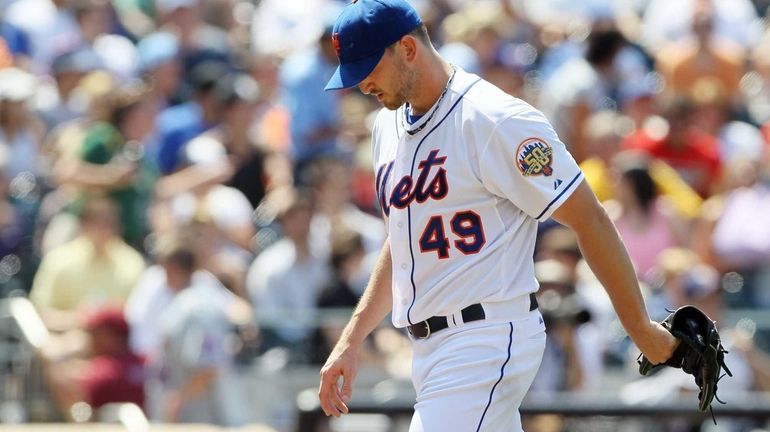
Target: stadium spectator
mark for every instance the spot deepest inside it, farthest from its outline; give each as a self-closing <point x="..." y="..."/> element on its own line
<point x="67" y="70"/>
<point x="21" y="133"/>
<point x="95" y="19"/>
<point x="581" y="86"/>
<point x="160" y="66"/>
<point x="198" y="382"/>
<point x="314" y="112"/>
<point x="647" y="224"/>
<point x="234" y="140"/>
<point x="331" y="182"/>
<point x="672" y="21"/>
<point x="684" y="64"/>
<point x="732" y="236"/>
<point x="94" y="269"/>
<point x="50" y="25"/>
<point x="15" y="41"/>
<point x="637" y="100"/>
<point x="198" y="39"/>
<point x="110" y="374"/>
<point x="113" y="163"/>
<point x="756" y="88"/>
<point x="179" y="124"/>
<point x="95" y="91"/>
<point x="286" y="279"/>
<point x="676" y="140"/>
<point x="199" y="195"/>
<point x="176" y="268"/>
<point x="63" y="154"/>
<point x="346" y="258"/>
<point x="605" y="133"/>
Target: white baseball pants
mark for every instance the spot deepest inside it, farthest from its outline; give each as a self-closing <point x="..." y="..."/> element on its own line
<point x="473" y="377"/>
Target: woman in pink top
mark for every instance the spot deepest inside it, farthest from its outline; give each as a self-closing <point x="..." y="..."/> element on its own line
<point x="640" y="216"/>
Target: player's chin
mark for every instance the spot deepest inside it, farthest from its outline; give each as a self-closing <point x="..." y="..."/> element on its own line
<point x="391" y="104"/>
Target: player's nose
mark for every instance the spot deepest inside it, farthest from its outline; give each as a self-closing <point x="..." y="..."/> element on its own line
<point x="365" y="87"/>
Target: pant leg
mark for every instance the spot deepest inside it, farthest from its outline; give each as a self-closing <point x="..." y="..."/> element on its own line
<point x="474" y="377"/>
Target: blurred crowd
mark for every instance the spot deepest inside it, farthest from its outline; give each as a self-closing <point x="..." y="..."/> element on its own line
<point x="179" y="198"/>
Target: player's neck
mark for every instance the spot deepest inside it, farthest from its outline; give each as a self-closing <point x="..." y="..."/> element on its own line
<point x="433" y="81"/>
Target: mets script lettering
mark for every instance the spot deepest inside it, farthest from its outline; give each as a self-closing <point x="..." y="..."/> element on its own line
<point x="407" y="189"/>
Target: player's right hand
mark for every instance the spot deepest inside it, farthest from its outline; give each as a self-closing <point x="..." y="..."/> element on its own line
<point x="342" y="363"/>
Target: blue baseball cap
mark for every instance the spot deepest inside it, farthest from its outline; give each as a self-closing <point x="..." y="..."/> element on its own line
<point x="362" y="32"/>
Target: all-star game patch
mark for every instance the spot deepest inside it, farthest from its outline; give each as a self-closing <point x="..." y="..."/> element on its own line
<point x="534" y="157"/>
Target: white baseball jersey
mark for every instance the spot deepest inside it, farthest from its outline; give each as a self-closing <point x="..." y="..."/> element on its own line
<point x="462" y="196"/>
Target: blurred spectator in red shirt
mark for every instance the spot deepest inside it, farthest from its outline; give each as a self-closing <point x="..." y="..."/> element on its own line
<point x="110" y="374"/>
<point x="114" y="373"/>
<point x="691" y="152"/>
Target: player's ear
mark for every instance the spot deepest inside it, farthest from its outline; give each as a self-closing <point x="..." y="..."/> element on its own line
<point x="409" y="47"/>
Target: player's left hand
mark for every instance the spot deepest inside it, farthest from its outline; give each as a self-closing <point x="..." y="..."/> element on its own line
<point x="656" y="343"/>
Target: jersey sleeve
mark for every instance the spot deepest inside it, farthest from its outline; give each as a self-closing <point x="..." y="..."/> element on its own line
<point x="525" y="162"/>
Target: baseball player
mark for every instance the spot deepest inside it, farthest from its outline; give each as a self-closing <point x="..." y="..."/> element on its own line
<point x="464" y="173"/>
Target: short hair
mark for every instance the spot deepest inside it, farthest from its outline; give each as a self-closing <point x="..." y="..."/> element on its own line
<point x="125" y="100"/>
<point x="345" y="244"/>
<point x="420" y="33"/>
<point x="603" y="45"/>
<point x="176" y="249"/>
<point x="635" y="169"/>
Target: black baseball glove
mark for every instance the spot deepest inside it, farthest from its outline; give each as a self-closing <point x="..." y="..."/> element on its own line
<point x="700" y="352"/>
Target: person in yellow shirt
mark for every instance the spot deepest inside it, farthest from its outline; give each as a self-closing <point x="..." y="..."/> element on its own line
<point x="94" y="269"/>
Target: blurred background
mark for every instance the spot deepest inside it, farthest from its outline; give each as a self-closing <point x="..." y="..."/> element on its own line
<point x="187" y="218"/>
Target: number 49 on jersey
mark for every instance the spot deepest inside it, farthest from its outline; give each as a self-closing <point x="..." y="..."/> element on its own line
<point x="467" y="229"/>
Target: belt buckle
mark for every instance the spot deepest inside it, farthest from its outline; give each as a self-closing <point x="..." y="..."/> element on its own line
<point x="427" y="327"/>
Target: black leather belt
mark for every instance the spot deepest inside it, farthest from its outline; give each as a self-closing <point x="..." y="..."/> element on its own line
<point x="474" y="312"/>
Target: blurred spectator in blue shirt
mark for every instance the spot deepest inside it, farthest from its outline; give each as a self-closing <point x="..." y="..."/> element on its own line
<point x="160" y="66"/>
<point x="314" y="112"/>
<point x="179" y="124"/>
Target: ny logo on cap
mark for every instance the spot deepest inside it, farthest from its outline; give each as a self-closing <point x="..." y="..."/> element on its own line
<point x="336" y="42"/>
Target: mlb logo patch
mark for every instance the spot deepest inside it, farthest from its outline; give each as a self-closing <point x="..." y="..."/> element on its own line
<point x="534" y="156"/>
